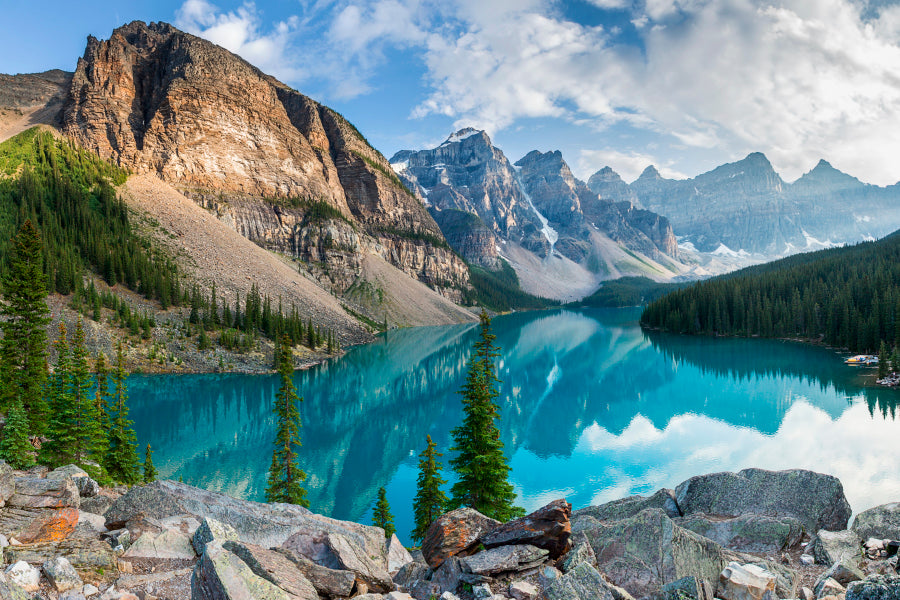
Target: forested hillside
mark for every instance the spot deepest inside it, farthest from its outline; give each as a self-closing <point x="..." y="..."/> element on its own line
<point x="847" y="297"/>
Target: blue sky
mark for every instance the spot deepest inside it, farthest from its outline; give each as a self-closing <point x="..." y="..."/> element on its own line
<point x="682" y="84"/>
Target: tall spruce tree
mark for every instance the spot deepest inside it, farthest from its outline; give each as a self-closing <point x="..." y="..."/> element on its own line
<point x="883" y="360"/>
<point x="101" y="392"/>
<point x="430" y="500"/>
<point x="480" y="464"/>
<point x="285" y="477"/>
<point x="23" y="351"/>
<point x="86" y="437"/>
<point x="381" y="515"/>
<point x="15" y="448"/>
<point x="54" y="451"/>
<point x="149" y="469"/>
<point x="121" y="457"/>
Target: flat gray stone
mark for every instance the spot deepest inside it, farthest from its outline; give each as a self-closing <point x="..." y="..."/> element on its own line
<point x="829" y="547"/>
<point x="875" y="587"/>
<point x="504" y="559"/>
<point x="616" y="510"/>
<point x="581" y="583"/>
<point x="62" y="575"/>
<point x="212" y="530"/>
<point x="220" y="575"/>
<point x="882" y="522"/>
<point x="275" y="568"/>
<point x="746" y="533"/>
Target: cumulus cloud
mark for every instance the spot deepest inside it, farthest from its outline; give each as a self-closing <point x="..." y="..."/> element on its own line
<point x="242" y="32"/>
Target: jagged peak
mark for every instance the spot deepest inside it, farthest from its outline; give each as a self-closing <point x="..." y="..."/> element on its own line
<point x="757" y="158"/>
<point x="824" y="171"/>
<point x="650" y="173"/>
<point x="554" y="156"/>
<point x="606" y="174"/>
<point x="465" y="133"/>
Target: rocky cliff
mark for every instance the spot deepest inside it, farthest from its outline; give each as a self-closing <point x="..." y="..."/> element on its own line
<point x="284" y="170"/>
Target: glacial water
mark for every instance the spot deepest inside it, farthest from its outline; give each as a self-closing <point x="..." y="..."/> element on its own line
<point x="593" y="409"/>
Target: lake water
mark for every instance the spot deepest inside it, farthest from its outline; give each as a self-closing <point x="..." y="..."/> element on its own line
<point x="593" y="409"/>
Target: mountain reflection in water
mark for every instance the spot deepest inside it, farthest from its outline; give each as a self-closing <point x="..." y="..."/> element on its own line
<point x="593" y="409"/>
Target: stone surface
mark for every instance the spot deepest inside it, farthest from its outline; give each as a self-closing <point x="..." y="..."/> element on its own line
<point x="816" y="500"/>
<point x="97" y="504"/>
<point x="7" y="481"/>
<point x="747" y="533"/>
<point x="581" y="583"/>
<point x="826" y="586"/>
<point x="91" y="521"/>
<point x="169" y="544"/>
<point x="397" y="554"/>
<point x="38" y="525"/>
<point x="628" y="507"/>
<point x="522" y="590"/>
<point x="349" y="556"/>
<point x="212" y="530"/>
<point x="581" y="552"/>
<point x="684" y="589"/>
<point x="504" y="559"/>
<point x="875" y="587"/>
<point x="220" y="575"/>
<point x="62" y="575"/>
<point x="275" y="568"/>
<point x="454" y="533"/>
<point x="33" y="492"/>
<point x="447" y="576"/>
<point x="745" y="582"/>
<point x="880" y="522"/>
<point x="86" y="486"/>
<point x="649" y="550"/>
<point x="829" y="547"/>
<point x="94" y="559"/>
<point x="328" y="582"/>
<point x="24" y="575"/>
<point x="844" y="572"/>
<point x="547" y="527"/>
<point x="411" y="572"/>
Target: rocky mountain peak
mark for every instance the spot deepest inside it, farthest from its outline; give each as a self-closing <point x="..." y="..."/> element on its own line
<point x="650" y="173"/>
<point x="605" y="175"/>
<point x="825" y="177"/>
<point x="478" y="136"/>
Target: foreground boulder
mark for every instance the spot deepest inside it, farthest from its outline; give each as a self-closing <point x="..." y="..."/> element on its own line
<point x="548" y="528"/>
<point x="581" y="583"/>
<point x="745" y="582"/>
<point x="221" y="575"/>
<point x="266" y="525"/>
<point x="747" y="533"/>
<point x="879" y="522"/>
<point x="814" y="499"/>
<point x="455" y="533"/>
<point x="628" y="507"/>
<point x="647" y="551"/>
<point x="275" y="568"/>
<point x="38" y="525"/>
<point x="327" y="582"/>
<point x="829" y="547"/>
<point x="95" y="560"/>
<point x="875" y="587"/>
<point x="504" y="559"/>
<point x="36" y="492"/>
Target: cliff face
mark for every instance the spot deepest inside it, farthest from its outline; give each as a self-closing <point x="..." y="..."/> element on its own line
<point x="284" y="170"/>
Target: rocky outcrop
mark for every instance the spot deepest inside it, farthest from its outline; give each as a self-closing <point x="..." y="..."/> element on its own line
<point x="276" y="164"/>
<point x="454" y="534"/>
<point x="882" y="521"/>
<point x="548" y="528"/>
<point x="628" y="507"/>
<point x="607" y="184"/>
<point x="467" y="234"/>
<point x="747" y="532"/>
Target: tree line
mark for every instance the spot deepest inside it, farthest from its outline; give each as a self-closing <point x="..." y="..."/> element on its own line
<point x="847" y="297"/>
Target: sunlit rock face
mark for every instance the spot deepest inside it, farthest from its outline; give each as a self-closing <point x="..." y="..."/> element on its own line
<point x="155" y="99"/>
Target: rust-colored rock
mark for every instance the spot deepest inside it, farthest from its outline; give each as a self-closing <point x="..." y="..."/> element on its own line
<point x="548" y="528"/>
<point x="50" y="526"/>
<point x="455" y="534"/>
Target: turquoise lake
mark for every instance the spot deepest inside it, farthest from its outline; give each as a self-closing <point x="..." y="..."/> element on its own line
<point x="593" y="409"/>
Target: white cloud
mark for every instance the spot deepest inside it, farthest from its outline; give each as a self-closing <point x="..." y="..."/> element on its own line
<point x="241" y="31"/>
<point x="611" y="4"/>
<point x="629" y="165"/>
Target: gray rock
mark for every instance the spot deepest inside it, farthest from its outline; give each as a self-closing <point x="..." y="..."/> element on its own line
<point x="686" y="588"/>
<point x="397" y="554"/>
<point x="266" y="525"/>
<point x="24" y="575"/>
<point x="829" y="547"/>
<point x="212" y="530"/>
<point x="880" y="522"/>
<point x="522" y="590"/>
<point x="826" y="586"/>
<point x="185" y="524"/>
<point x="11" y="591"/>
<point x="87" y="555"/>
<point x="455" y="533"/>
<point x="169" y="544"/>
<point x="33" y="492"/>
<point x="369" y="569"/>
<point x="844" y="572"/>
<point x="93" y="522"/>
<point x="548" y="527"/>
<point x="422" y="589"/>
<point x="118" y="537"/>
<point x="90" y="590"/>
<point x="411" y="572"/>
<point x="449" y="596"/>
<point x="96" y="504"/>
<point x="806" y="594"/>
<point x="398" y="596"/>
<point x="875" y="587"/>
<point x="816" y="500"/>
<point x="628" y="507"/>
<point x="62" y="575"/>
<point x="275" y="568"/>
<point x="581" y="552"/>
<point x="86" y="486"/>
<point x="647" y="551"/>
<point x="504" y="559"/>
<point x="220" y="575"/>
<point x="7" y="483"/>
<point x="328" y="582"/>
<point x="72" y="595"/>
<point x="482" y="591"/>
<point x="747" y="533"/>
<point x="581" y="583"/>
<point x="447" y="576"/>
<point x="745" y="582"/>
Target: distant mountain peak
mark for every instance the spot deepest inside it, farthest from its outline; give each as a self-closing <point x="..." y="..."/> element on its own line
<point x="554" y="157"/>
<point x="464" y="134"/>
<point x="606" y="174"/>
<point x="825" y="174"/>
<point x="650" y="173"/>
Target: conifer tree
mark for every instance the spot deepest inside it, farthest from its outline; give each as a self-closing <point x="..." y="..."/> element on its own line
<point x="23" y="350"/>
<point x="895" y="360"/>
<point x="381" y="515"/>
<point x="101" y="393"/>
<point x="86" y="440"/>
<point x="883" y="359"/>
<point x="15" y="448"/>
<point x="480" y="464"/>
<point x="121" y="458"/>
<point x="430" y="500"/>
<point x="54" y="451"/>
<point x="149" y="469"/>
<point x="285" y="477"/>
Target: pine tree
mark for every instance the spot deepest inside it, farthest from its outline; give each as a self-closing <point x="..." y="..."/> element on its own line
<point x="430" y="500"/>
<point x="883" y="359"/>
<point x="15" y="448"/>
<point x="285" y="477"/>
<point x="381" y="516"/>
<point x="121" y="457"/>
<point x="149" y="469"/>
<point x="101" y="393"/>
<point x="895" y="360"/>
<point x="86" y="438"/>
<point x="55" y="451"/>
<point x="480" y="465"/>
<point x="23" y="351"/>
